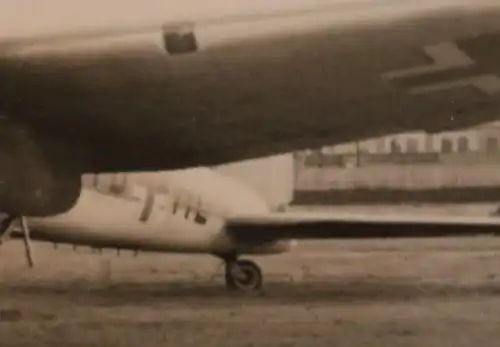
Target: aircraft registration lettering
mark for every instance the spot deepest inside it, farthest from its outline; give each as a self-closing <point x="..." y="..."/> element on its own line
<point x="148" y="206"/>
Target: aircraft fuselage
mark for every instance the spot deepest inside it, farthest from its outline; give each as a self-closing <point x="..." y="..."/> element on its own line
<point x="182" y="211"/>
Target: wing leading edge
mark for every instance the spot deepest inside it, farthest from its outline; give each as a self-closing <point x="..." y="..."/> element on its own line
<point x="293" y="225"/>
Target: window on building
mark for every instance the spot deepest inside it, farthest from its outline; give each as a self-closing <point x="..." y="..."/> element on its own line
<point x="429" y="143"/>
<point x="395" y="146"/>
<point x="321" y="159"/>
<point x="446" y="146"/>
<point x="492" y="144"/>
<point x="367" y="147"/>
<point x="380" y="145"/>
<point x="411" y="145"/>
<point x="462" y="144"/>
<point x="314" y="159"/>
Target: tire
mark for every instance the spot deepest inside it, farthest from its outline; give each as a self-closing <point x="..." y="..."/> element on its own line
<point x="253" y="276"/>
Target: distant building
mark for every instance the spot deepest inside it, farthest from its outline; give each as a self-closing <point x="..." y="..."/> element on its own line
<point x="482" y="139"/>
<point x="406" y="160"/>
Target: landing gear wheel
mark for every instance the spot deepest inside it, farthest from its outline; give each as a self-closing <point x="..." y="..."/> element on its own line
<point x="243" y="275"/>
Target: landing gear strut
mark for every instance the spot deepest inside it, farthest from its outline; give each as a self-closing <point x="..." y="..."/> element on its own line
<point x="242" y="274"/>
<point x="6" y="228"/>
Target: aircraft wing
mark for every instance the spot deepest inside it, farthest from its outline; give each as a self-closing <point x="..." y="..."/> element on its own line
<point x="307" y="225"/>
<point x="201" y="93"/>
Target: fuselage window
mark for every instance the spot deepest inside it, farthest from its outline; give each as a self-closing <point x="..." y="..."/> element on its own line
<point x="118" y="184"/>
<point x="88" y="180"/>
<point x="102" y="183"/>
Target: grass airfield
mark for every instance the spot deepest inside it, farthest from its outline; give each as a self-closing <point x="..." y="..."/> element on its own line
<point x="435" y="292"/>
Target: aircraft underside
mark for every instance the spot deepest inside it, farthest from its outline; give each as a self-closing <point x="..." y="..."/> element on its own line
<point x="215" y="92"/>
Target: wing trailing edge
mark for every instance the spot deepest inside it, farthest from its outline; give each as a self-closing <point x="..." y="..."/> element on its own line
<point x="293" y="225"/>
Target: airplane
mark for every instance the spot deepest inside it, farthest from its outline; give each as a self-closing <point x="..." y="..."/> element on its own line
<point x="135" y="100"/>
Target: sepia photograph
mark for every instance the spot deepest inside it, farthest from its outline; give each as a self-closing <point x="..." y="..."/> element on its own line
<point x="283" y="173"/>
